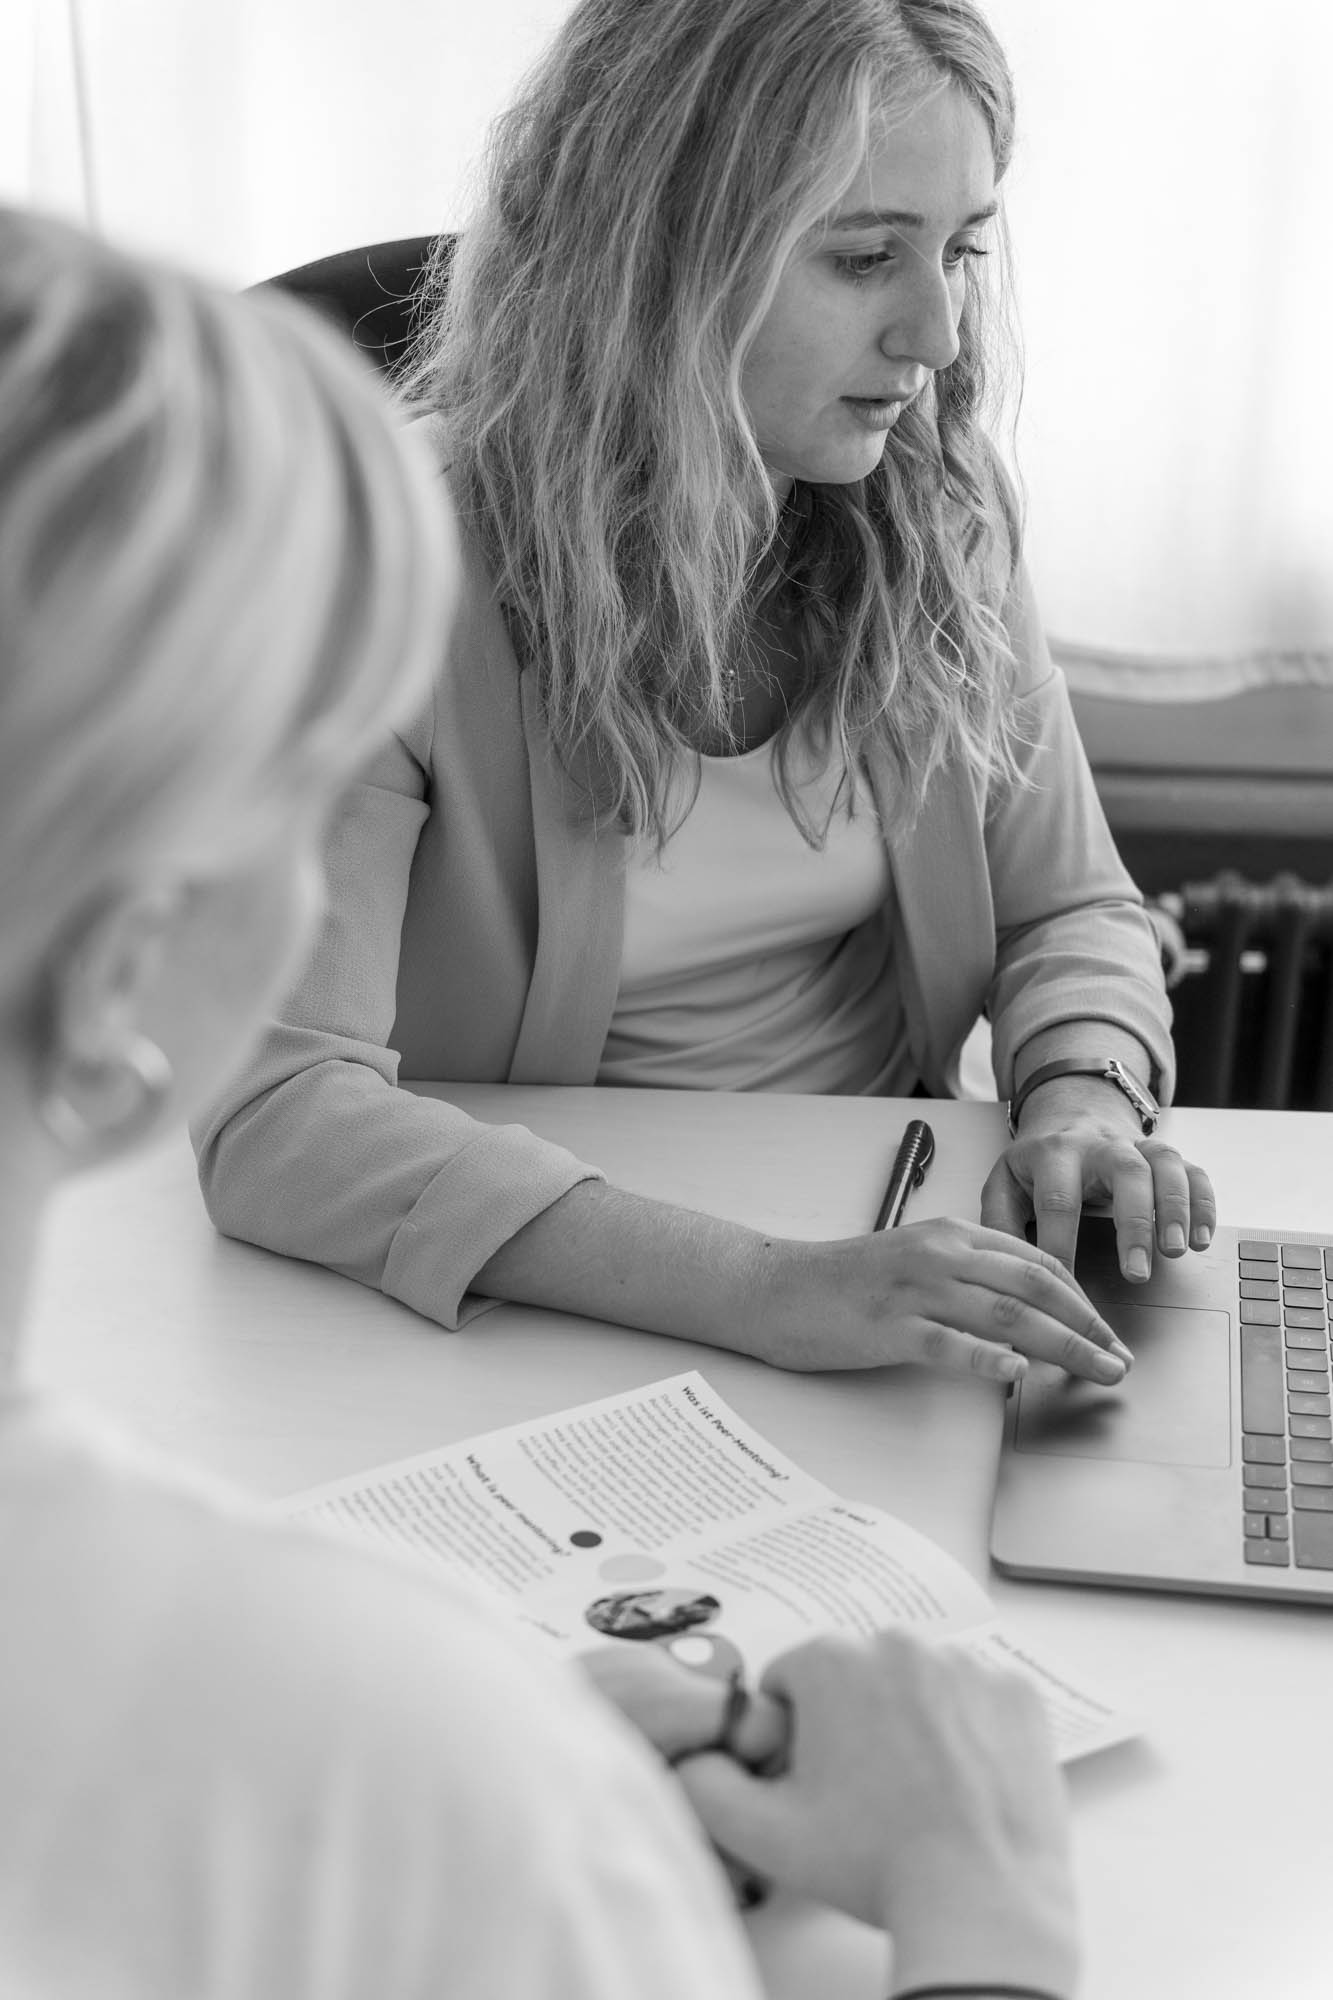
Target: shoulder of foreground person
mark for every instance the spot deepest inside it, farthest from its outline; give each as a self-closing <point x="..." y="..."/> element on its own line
<point x="252" y="1746"/>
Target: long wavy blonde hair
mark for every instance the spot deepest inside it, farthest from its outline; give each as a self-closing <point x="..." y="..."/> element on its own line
<point x="583" y="353"/>
<point x="221" y="574"/>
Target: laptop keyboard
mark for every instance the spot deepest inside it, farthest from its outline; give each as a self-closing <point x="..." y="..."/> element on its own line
<point x="1285" y="1290"/>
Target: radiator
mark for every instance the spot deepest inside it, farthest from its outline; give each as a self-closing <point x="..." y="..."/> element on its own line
<point x="1250" y="966"/>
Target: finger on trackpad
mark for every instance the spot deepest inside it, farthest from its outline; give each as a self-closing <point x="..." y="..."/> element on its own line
<point x="1173" y="1408"/>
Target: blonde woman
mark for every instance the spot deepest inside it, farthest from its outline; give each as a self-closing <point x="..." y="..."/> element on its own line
<point x="746" y="766"/>
<point x="236" y="1760"/>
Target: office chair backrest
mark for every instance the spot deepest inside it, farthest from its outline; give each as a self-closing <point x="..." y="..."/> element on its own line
<point x="368" y="293"/>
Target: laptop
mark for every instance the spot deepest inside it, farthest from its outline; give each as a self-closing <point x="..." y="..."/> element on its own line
<point x="1210" y="1467"/>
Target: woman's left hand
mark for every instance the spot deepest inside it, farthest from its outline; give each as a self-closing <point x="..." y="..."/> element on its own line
<point x="680" y="1710"/>
<point x="683" y="1714"/>
<point x="1079" y="1142"/>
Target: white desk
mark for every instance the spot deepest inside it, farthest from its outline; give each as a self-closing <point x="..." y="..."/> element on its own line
<point x="1203" y="1852"/>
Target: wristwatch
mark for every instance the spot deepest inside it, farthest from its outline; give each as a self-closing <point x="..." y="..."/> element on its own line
<point x="1109" y="1068"/>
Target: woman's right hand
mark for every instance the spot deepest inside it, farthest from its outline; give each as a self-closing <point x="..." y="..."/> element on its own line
<point x="920" y="1794"/>
<point x="951" y="1294"/>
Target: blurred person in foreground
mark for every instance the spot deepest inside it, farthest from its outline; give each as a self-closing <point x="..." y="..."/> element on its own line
<point x="238" y="1760"/>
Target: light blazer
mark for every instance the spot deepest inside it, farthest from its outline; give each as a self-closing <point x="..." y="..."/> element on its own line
<point x="474" y="931"/>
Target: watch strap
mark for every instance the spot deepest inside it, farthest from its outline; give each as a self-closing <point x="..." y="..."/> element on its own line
<point x="1109" y="1068"/>
<point x="987" y="1992"/>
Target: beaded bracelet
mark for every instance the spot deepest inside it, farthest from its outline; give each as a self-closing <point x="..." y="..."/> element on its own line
<point x="734" y="1711"/>
<point x="748" y="1890"/>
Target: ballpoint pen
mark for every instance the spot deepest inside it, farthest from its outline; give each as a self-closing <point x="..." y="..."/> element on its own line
<point x="914" y="1155"/>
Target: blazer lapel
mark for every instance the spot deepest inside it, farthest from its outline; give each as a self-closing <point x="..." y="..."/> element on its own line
<point x="580" y="922"/>
<point x="945" y="944"/>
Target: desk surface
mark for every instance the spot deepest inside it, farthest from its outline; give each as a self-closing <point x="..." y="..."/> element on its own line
<point x="1203" y="1850"/>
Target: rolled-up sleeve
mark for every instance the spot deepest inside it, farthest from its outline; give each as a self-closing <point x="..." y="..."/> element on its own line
<point x="314" y="1151"/>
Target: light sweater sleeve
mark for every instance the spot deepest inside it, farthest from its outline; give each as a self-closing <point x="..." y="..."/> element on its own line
<point x="301" y="1771"/>
<point x="1078" y="968"/>
<point x="465" y="1819"/>
<point x="313" y="1151"/>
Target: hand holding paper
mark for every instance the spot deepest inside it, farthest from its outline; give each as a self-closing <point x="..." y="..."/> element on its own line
<point x="920" y="1796"/>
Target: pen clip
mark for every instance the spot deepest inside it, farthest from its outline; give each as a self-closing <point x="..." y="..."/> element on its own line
<point x="923" y="1149"/>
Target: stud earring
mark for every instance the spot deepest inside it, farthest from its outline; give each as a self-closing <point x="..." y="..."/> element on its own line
<point x="92" y="1109"/>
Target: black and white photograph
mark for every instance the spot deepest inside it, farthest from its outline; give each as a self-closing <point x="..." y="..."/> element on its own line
<point x="666" y="999"/>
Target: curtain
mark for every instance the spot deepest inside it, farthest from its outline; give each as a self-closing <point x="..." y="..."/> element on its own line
<point x="1167" y="206"/>
<point x="248" y="136"/>
<point x="43" y="154"/>
<point x="1168" y="203"/>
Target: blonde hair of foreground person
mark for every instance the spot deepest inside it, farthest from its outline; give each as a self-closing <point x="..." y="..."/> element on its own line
<point x="221" y="578"/>
<point x="585" y="355"/>
<point x="237" y="1759"/>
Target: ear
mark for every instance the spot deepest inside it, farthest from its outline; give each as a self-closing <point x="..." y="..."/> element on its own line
<point x="104" y="1086"/>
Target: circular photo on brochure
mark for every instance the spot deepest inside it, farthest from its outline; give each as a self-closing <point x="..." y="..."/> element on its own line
<point x="650" y="1614"/>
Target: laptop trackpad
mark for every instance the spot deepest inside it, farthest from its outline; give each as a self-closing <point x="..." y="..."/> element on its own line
<point x="1174" y="1407"/>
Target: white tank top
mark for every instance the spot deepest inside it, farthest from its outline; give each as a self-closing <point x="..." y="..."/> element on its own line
<point x="752" y="961"/>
